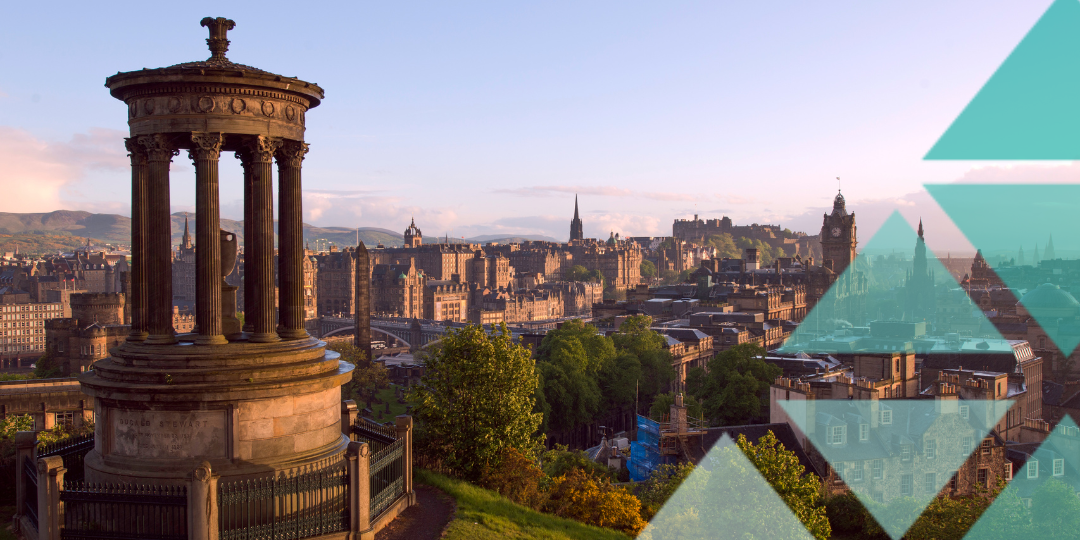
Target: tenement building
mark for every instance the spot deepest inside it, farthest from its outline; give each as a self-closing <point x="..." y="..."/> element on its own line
<point x="22" y="326"/>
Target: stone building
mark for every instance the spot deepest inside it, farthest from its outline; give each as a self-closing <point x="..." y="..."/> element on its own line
<point x="446" y="301"/>
<point x="98" y="323"/>
<point x="336" y="280"/>
<point x="838" y="236"/>
<point x="22" y="326"/>
<point x="183" y="270"/>
<point x="576" y="231"/>
<point x="397" y="290"/>
<point x="48" y="402"/>
<point x="578" y="296"/>
<point x="413" y="237"/>
<point x="491" y="271"/>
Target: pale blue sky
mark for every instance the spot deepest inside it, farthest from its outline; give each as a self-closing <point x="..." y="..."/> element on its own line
<point x="484" y="117"/>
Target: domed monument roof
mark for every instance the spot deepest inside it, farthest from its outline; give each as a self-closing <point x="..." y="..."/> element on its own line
<point x="1050" y="297"/>
<point x="839" y="207"/>
<point x="215" y="94"/>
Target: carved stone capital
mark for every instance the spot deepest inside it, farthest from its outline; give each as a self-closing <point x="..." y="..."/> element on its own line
<point x="291" y="153"/>
<point x="159" y="147"/>
<point x="206" y="145"/>
<point x="136" y="151"/>
<point x="258" y="149"/>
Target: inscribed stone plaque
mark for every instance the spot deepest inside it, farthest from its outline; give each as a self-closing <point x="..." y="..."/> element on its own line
<point x="168" y="434"/>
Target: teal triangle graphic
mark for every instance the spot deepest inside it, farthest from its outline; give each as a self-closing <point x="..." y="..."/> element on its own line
<point x="725" y="497"/>
<point x="1040" y="501"/>
<point x="999" y="219"/>
<point x="1029" y="107"/>
<point x="896" y="296"/>
<point x="895" y="455"/>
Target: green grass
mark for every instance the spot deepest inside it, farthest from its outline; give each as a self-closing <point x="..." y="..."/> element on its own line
<point x="396" y="407"/>
<point x="484" y="515"/>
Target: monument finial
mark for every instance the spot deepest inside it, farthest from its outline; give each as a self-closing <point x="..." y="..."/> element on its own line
<point x="218" y="40"/>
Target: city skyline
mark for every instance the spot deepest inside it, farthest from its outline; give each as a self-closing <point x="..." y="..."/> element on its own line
<point x="488" y="119"/>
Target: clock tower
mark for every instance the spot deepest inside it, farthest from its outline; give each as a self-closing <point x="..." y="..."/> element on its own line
<point x="838" y="238"/>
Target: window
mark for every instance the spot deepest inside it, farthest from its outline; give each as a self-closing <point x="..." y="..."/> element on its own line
<point x="1033" y="468"/>
<point x="898" y="366"/>
<point x="838" y="468"/>
<point x="986" y="446"/>
<point x="857" y="472"/>
<point x="907" y="485"/>
<point x="886" y="416"/>
<point x="905" y="452"/>
<point x="930" y="448"/>
<point x="837" y="435"/>
<point x="864" y="432"/>
<point x="1059" y="467"/>
<point x="1008" y="470"/>
<point x="954" y="480"/>
<point x="982" y="477"/>
<point x="965" y="412"/>
<point x="930" y="483"/>
<point x="876" y="469"/>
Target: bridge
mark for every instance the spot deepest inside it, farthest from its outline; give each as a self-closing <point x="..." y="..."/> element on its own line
<point x="418" y="333"/>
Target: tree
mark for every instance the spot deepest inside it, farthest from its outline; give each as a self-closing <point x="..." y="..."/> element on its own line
<point x="661" y="485"/>
<point x="734" y="387"/>
<point x="724" y="245"/>
<point x="368" y="377"/>
<point x="648" y="269"/>
<point x="570" y="361"/>
<point x="663" y="402"/>
<point x="649" y="346"/>
<point x="580" y="273"/>
<point x="781" y="469"/>
<point x="579" y="496"/>
<point x="476" y="398"/>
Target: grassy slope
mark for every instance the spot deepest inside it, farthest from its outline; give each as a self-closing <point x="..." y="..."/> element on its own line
<point x="396" y="407"/>
<point x="485" y="515"/>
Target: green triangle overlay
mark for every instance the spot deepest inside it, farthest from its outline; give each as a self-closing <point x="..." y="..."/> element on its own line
<point x="1054" y="510"/>
<point x="939" y="435"/>
<point x="833" y="325"/>
<point x="998" y="219"/>
<point x="725" y="497"/>
<point x="1029" y="109"/>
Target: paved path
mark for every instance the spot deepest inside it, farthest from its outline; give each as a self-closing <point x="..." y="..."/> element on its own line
<point x="423" y="521"/>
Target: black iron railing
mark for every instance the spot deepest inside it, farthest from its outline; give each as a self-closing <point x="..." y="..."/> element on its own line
<point x="378" y="436"/>
<point x="30" y="487"/>
<point x="298" y="504"/>
<point x="387" y="477"/>
<point x="73" y="452"/>
<point x="123" y="511"/>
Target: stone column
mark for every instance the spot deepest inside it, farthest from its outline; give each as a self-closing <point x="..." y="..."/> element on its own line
<point x="50" y="480"/>
<point x="205" y="153"/>
<point x="202" y="507"/>
<point x="290" y="241"/>
<point x="258" y="156"/>
<point x="137" y="293"/>
<point x="358" y="459"/>
<point x="362" y="303"/>
<point x="158" y="248"/>
<point x="248" y="306"/>
<point x="403" y="426"/>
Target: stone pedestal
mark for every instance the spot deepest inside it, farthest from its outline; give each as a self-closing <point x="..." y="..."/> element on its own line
<point x="245" y="408"/>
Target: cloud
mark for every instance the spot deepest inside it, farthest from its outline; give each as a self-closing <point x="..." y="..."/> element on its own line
<point x="1024" y="173"/>
<point x="602" y="191"/>
<point x="362" y="208"/>
<point x="42" y="176"/>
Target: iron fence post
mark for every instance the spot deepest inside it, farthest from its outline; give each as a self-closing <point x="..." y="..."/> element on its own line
<point x="349" y="413"/>
<point x="202" y="507"/>
<point x="403" y="425"/>
<point x="50" y="481"/>
<point x="24" y="448"/>
<point x="358" y="458"/>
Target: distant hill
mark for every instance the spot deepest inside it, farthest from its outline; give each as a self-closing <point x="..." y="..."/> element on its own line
<point x="66" y="229"/>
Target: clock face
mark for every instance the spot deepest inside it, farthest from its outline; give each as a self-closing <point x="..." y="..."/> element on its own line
<point x="836" y="232"/>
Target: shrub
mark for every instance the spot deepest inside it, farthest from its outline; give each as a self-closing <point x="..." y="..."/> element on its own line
<point x="582" y="497"/>
<point x="660" y="486"/>
<point x="517" y="478"/>
<point x="846" y="514"/>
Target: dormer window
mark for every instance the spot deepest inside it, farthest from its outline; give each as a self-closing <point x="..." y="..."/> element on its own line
<point x="864" y="432"/>
<point x="906" y="452"/>
<point x="1032" y="469"/>
<point x="886" y="416"/>
<point x="837" y="435"/>
<point x="1059" y="467"/>
<point x="965" y="412"/>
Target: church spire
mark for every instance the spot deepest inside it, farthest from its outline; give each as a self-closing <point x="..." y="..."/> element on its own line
<point x="575" y="207"/>
<point x="576" y="229"/>
<point x="187" y="235"/>
<point x="920" y="228"/>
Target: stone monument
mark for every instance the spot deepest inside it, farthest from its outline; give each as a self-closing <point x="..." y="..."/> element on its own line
<point x="261" y="398"/>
